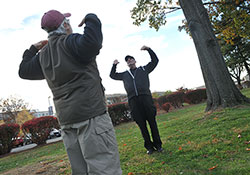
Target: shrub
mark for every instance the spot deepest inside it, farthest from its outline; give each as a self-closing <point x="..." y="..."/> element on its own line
<point x="7" y="133"/>
<point x="166" y="106"/>
<point x="182" y="89"/>
<point x="39" y="128"/>
<point x="119" y="113"/>
<point x="176" y="99"/>
<point x="161" y="100"/>
<point x="156" y="104"/>
<point x="195" y="96"/>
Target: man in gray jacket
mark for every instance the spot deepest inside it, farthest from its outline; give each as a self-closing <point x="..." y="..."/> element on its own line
<point x="68" y="63"/>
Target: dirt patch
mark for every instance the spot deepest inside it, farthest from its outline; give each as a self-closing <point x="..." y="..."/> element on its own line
<point x="53" y="167"/>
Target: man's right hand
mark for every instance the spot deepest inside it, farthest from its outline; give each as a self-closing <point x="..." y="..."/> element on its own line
<point x="116" y="62"/>
<point x="39" y="45"/>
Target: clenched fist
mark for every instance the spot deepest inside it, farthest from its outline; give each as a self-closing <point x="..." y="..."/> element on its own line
<point x="41" y="44"/>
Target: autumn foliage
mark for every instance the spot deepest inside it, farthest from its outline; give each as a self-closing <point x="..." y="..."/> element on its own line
<point x="195" y="96"/>
<point x="7" y="133"/>
<point x="166" y="106"/>
<point x="176" y="99"/>
<point x="119" y="113"/>
<point x="39" y="128"/>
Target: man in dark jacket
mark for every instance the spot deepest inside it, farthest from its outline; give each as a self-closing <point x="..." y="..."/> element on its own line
<point x="136" y="83"/>
<point x="68" y="63"/>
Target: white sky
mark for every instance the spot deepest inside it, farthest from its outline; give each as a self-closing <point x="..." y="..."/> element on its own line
<point x="20" y="27"/>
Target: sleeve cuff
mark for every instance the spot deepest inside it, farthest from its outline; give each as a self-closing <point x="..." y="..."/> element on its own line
<point x="33" y="49"/>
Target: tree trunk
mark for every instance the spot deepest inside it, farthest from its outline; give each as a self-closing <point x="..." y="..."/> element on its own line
<point x="220" y="88"/>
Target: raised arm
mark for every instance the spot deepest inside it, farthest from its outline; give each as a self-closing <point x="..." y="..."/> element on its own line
<point x="87" y="45"/>
<point x="113" y="74"/>
<point x="154" y="60"/>
<point x="30" y="67"/>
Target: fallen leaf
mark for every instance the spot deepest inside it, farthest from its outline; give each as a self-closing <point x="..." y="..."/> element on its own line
<point x="130" y="173"/>
<point x="180" y="148"/>
<point x="247" y="142"/>
<point x="205" y="155"/>
<point x="248" y="149"/>
<point x="215" y="140"/>
<point x="124" y="144"/>
<point x="213" y="167"/>
<point x="215" y="118"/>
<point x="163" y="162"/>
<point x="218" y="157"/>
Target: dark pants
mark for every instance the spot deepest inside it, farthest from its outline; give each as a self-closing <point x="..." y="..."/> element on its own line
<point x="143" y="111"/>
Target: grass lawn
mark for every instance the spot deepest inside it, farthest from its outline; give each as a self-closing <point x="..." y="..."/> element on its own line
<point x="194" y="142"/>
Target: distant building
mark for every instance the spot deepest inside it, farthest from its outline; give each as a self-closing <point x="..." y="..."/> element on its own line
<point x="40" y="113"/>
<point x="246" y="84"/>
<point x="5" y="116"/>
<point x="200" y="87"/>
<point x="37" y="113"/>
<point x="246" y="78"/>
<point x="116" y="98"/>
<point x="158" y="93"/>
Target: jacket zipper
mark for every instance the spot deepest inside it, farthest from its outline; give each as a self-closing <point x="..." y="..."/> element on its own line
<point x="136" y="92"/>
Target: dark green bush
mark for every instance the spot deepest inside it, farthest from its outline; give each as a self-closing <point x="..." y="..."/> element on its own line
<point x="195" y="96"/>
<point x="119" y="113"/>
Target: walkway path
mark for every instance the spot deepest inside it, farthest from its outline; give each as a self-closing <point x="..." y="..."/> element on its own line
<point x="25" y="147"/>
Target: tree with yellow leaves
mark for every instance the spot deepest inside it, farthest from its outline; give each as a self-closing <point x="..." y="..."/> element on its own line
<point x="23" y="116"/>
<point x="10" y="108"/>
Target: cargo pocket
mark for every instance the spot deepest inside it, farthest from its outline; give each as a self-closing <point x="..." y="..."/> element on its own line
<point x="106" y="132"/>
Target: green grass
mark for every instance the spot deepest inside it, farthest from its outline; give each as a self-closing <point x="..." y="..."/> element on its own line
<point x="194" y="142"/>
<point x="38" y="154"/>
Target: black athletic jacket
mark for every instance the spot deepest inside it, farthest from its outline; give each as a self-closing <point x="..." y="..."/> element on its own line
<point x="136" y="83"/>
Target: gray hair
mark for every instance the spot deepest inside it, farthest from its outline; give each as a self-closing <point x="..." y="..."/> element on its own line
<point x="60" y="30"/>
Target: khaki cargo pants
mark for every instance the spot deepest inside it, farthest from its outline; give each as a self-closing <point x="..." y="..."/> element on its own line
<point x="91" y="147"/>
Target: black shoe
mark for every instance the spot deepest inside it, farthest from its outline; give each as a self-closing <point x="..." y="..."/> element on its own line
<point x="159" y="149"/>
<point x="150" y="151"/>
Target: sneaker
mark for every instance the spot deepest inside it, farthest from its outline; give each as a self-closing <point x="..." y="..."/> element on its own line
<point x="150" y="151"/>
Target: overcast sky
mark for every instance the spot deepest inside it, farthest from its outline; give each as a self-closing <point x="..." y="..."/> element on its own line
<point x="20" y="27"/>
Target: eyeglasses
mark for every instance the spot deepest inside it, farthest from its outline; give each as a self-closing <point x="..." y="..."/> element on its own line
<point x="67" y="20"/>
